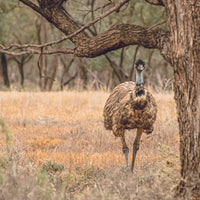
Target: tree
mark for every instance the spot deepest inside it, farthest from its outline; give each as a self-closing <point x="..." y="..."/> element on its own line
<point x="4" y="70"/>
<point x="179" y="45"/>
<point x="23" y="59"/>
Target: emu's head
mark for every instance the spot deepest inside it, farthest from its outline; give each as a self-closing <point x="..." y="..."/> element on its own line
<point x="140" y="65"/>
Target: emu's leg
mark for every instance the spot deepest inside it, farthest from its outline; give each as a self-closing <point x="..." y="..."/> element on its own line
<point x="136" y="145"/>
<point x="125" y="149"/>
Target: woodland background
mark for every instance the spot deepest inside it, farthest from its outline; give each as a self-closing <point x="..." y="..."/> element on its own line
<point x="20" y="25"/>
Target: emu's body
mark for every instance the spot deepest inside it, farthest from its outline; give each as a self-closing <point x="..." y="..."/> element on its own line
<point x="130" y="106"/>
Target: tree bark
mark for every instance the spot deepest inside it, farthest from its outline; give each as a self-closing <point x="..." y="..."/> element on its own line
<point x="83" y="72"/>
<point x="184" y="25"/>
<point x="133" y="63"/>
<point x="117" y="71"/>
<point x="65" y="71"/>
<point x="42" y="36"/>
<point x="21" y="71"/>
<point x="52" y="75"/>
<point x="4" y="70"/>
<point x="21" y="61"/>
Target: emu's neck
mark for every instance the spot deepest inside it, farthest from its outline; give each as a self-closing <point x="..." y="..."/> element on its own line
<point x="139" y="79"/>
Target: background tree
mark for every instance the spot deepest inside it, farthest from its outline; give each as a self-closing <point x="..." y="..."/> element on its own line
<point x="4" y="70"/>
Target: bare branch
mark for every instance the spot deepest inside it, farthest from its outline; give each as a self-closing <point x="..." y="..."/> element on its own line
<point x="92" y="10"/>
<point x="66" y="69"/>
<point x="118" y="71"/>
<point x="95" y="76"/>
<point x="70" y="79"/>
<point x="156" y="2"/>
<point x="33" y="51"/>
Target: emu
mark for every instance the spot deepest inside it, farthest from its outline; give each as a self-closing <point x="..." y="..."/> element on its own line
<point x="130" y="106"/>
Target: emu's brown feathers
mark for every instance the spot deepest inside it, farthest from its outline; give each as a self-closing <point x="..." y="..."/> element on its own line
<point x="128" y="107"/>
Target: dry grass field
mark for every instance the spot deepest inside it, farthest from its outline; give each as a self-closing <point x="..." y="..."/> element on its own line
<point x="63" y="134"/>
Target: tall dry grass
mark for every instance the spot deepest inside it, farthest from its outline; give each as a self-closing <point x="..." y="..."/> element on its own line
<point x="67" y="128"/>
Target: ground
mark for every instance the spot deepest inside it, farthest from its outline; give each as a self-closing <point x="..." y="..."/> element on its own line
<point x="58" y="142"/>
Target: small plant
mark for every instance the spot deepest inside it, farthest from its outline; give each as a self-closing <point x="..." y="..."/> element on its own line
<point x="52" y="168"/>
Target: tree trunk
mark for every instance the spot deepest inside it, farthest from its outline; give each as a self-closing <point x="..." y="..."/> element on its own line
<point x="52" y="73"/>
<point x="122" y="77"/>
<point x="21" y="71"/>
<point x="184" y="24"/>
<point x="4" y="70"/>
<point x="83" y="72"/>
<point x="44" y="57"/>
<point x="65" y="71"/>
<point x="42" y="37"/>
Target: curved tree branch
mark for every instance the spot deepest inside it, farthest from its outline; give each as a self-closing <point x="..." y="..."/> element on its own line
<point x="156" y="2"/>
<point x="120" y="36"/>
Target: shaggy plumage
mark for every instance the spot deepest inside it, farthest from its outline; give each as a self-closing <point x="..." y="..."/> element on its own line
<point x="130" y="106"/>
<point x="124" y="110"/>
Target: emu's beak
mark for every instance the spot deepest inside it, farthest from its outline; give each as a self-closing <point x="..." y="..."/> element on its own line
<point x="140" y="67"/>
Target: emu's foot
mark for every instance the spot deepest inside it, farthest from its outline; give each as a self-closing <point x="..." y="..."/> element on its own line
<point x="126" y="170"/>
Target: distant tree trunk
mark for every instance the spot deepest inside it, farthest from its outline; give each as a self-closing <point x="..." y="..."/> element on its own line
<point x="69" y="80"/>
<point x="52" y="73"/>
<point x="44" y="57"/>
<point x="65" y="71"/>
<point x="42" y="63"/>
<point x="21" y="61"/>
<point x="83" y="72"/>
<point x="21" y="71"/>
<point x="4" y="70"/>
<point x="122" y="77"/>
<point x="184" y="24"/>
<point x="133" y="63"/>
